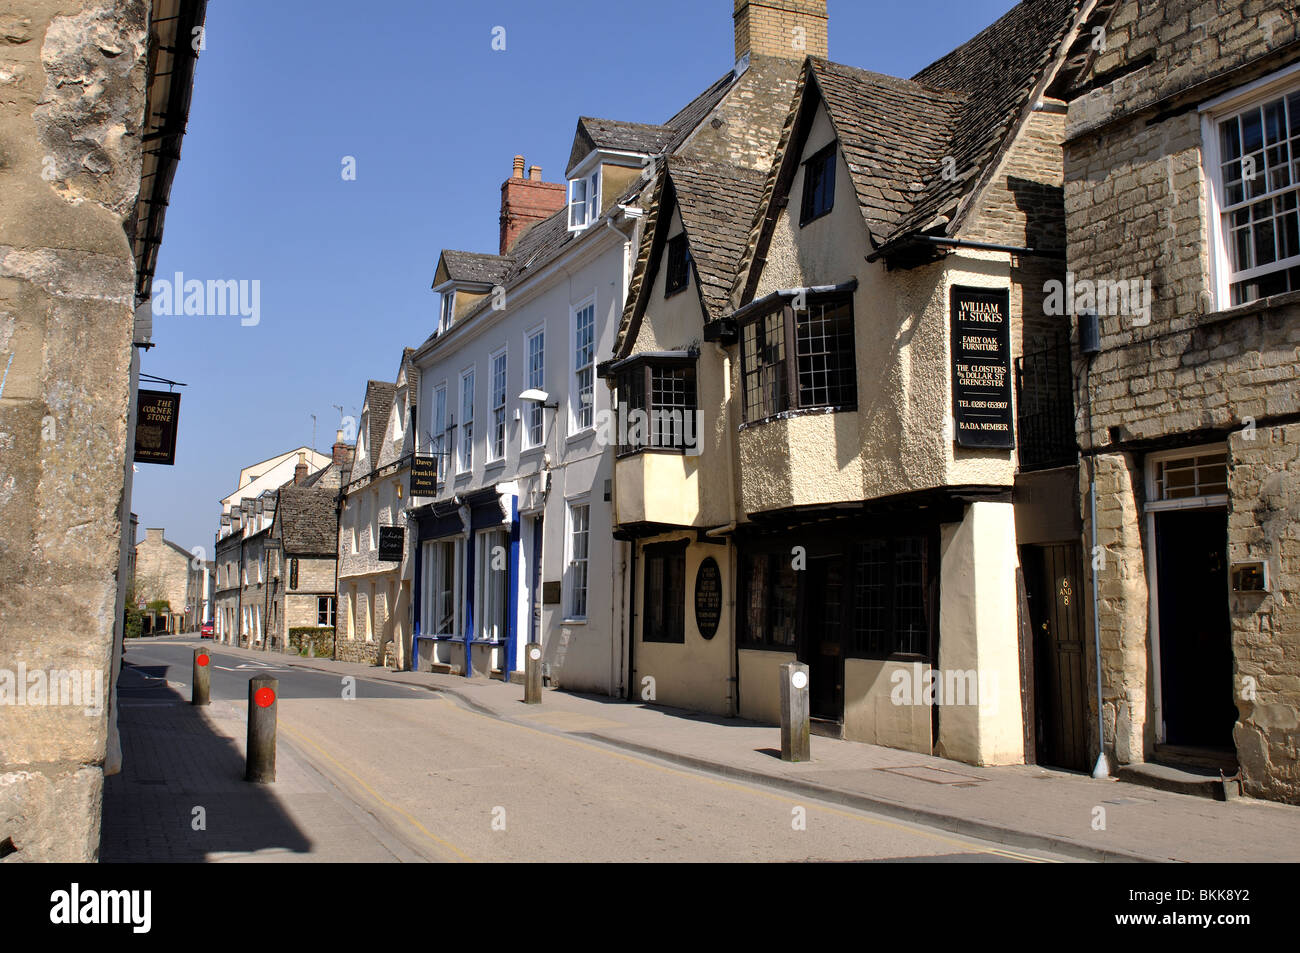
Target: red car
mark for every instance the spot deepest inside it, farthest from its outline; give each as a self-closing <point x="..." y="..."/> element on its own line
<point x="205" y="631"/>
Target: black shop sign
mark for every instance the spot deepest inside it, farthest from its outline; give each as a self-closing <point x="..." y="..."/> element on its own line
<point x="391" y="540"/>
<point x="424" y="476"/>
<point x="708" y="597"/>
<point x="981" y="368"/>
<point x="156" y="415"/>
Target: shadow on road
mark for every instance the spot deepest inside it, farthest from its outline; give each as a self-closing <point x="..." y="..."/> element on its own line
<point x="178" y="774"/>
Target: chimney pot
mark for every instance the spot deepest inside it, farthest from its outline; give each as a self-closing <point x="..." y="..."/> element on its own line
<point x="519" y="168"/>
<point x="535" y="173"/>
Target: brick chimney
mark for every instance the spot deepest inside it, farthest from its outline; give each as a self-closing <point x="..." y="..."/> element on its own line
<point x="791" y="29"/>
<point x="300" y="471"/>
<point x="525" y="202"/>
<point x="342" y="451"/>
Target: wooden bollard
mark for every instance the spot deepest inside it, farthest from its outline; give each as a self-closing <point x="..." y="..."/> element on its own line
<point x="533" y="673"/>
<point x="201" y="682"/>
<point x="263" y="697"/>
<point x="795" y="744"/>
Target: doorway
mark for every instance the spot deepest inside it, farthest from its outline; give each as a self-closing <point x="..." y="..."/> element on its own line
<point x="1197" y="706"/>
<point x="820" y="643"/>
<point x="1053" y="588"/>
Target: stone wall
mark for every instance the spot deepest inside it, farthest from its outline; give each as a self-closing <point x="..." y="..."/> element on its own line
<point x="1264" y="524"/>
<point x="72" y="102"/>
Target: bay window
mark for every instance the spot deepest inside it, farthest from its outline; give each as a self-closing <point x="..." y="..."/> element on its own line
<point x="823" y="372"/>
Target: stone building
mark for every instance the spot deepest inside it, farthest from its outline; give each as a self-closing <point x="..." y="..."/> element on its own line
<point x="375" y="564"/>
<point x="94" y="98"/>
<point x="868" y="471"/>
<point x="302" y="560"/>
<point x="1181" y="187"/>
<point x="164" y="572"/>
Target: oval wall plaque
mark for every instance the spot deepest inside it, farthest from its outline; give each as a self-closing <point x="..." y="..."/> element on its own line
<point x="708" y="597"/>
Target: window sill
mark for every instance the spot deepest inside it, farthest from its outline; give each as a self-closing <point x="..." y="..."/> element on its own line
<point x="584" y="433"/>
<point x="495" y="464"/>
<point x="573" y="622"/>
<point x="800" y="412"/>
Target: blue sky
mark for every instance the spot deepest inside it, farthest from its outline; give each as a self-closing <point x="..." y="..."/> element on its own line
<point x="433" y="116"/>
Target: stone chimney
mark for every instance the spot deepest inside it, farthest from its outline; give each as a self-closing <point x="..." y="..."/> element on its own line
<point x="524" y="202"/>
<point x="342" y="451"/>
<point x="790" y="29"/>
<point x="300" y="471"/>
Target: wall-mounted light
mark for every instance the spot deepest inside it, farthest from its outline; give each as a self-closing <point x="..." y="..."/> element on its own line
<point x="535" y="396"/>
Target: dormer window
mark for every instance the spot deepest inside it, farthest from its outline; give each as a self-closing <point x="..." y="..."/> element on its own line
<point x="584" y="200"/>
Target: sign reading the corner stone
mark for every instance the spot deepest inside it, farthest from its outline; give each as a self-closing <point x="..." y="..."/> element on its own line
<point x="391" y="539"/>
<point x="156" y="414"/>
<point x="981" y="368"/>
<point x="708" y="597"/>
<point x="424" y="476"/>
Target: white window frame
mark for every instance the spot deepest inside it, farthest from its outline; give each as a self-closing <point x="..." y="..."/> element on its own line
<point x="1151" y="508"/>
<point x="535" y="378"/>
<point x="1281" y="83"/>
<point x="571" y="561"/>
<point x="465" y="431"/>
<point x="435" y="552"/>
<point x="439" y="433"/>
<point x="499" y="401"/>
<point x="446" y="310"/>
<point x="584" y="209"/>
<point x="576" y="425"/>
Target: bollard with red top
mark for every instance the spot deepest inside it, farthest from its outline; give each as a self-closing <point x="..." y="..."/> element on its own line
<point x="263" y="691"/>
<point x="200" y="684"/>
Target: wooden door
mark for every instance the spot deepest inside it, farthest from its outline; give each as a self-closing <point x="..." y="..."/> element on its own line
<point x="1054" y="587"/>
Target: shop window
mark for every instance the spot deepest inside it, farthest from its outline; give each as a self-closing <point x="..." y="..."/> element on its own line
<point x="492" y="572"/>
<point x="824" y="371"/>
<point x="890" y="614"/>
<point x="442" y="602"/>
<point x="664" y="619"/>
<point x="769" y="597"/>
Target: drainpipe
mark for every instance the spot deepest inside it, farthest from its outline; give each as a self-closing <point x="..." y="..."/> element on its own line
<point x="1090" y="344"/>
<point x="733" y="678"/>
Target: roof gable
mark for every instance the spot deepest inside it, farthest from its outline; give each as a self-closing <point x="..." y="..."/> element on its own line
<point x="307" y="520"/>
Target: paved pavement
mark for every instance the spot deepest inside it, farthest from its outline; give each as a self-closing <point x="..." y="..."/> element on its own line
<point x="1026" y="808"/>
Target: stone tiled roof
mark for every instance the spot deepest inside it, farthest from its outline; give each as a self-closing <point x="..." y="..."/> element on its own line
<point x="997" y="70"/>
<point x="308" y="521"/>
<point x="472" y="266"/>
<point x="379" y="400"/>
<point x="896" y="133"/>
<point x="617" y="135"/>
<point x="717" y="205"/>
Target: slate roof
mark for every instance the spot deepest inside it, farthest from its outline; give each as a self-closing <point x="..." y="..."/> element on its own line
<point x="308" y="521"/>
<point x="548" y="239"/>
<point x="472" y="266"/>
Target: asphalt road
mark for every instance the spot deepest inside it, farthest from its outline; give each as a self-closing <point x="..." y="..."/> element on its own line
<point x="453" y="784"/>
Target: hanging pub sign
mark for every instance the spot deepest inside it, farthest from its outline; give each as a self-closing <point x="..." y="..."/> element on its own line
<point x="708" y="597"/>
<point x="981" y="368"/>
<point x="155" y="426"/>
<point x="391" y="539"/>
<point x="424" y="476"/>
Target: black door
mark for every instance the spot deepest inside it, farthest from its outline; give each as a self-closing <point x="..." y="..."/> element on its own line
<point x="820" y="646"/>
<point x="1195" y="631"/>
<point x="1053" y="586"/>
